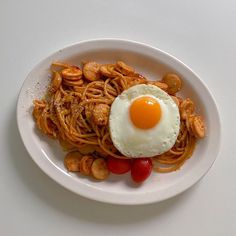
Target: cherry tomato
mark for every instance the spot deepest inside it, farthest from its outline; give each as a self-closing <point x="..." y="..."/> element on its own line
<point x="118" y="166"/>
<point x="141" y="169"/>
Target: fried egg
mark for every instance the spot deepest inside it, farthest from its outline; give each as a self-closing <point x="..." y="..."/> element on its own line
<point x="144" y="121"/>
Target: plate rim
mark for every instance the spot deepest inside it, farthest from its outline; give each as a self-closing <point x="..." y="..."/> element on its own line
<point x="114" y="199"/>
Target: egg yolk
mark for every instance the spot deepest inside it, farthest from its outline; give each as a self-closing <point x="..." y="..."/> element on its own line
<point x="145" y="112"/>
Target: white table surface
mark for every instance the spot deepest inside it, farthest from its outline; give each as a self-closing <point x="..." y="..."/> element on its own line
<point x="200" y="33"/>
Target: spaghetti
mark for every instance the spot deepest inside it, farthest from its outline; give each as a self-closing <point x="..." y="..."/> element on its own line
<point x="68" y="111"/>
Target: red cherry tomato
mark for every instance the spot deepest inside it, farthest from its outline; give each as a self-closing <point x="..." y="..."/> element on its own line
<point x="141" y="169"/>
<point x="118" y="166"/>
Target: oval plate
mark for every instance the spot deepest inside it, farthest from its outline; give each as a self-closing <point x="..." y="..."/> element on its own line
<point x="153" y="64"/>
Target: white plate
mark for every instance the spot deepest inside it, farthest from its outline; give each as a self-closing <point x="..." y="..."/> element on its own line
<point x="150" y="62"/>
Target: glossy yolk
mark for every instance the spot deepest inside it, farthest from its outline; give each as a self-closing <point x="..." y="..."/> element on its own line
<point x="145" y="112"/>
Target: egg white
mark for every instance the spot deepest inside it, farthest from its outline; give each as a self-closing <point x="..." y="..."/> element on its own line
<point x="134" y="142"/>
